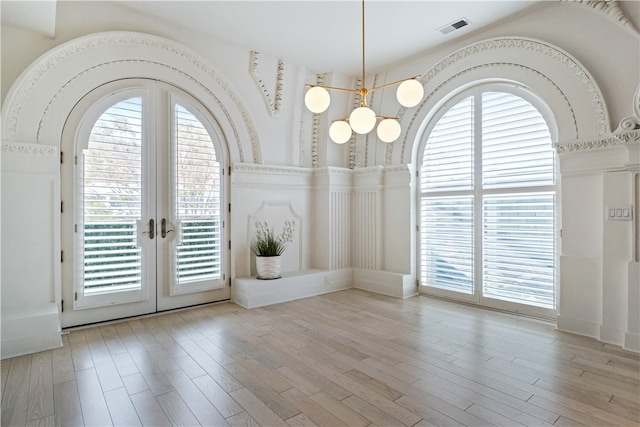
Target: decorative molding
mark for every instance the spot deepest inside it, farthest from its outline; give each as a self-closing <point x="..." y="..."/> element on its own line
<point x="139" y="61"/>
<point x="434" y="92"/>
<point x="610" y="8"/>
<point x="255" y="168"/>
<point x="353" y="141"/>
<point x="633" y="121"/>
<point x="315" y="128"/>
<point x="54" y="57"/>
<point x="532" y="45"/>
<point x="371" y="170"/>
<point x="536" y="46"/>
<point x="272" y="105"/>
<point x="610" y="141"/>
<point x="283" y="211"/>
<point x="628" y="124"/>
<point x="301" y="130"/>
<point x="403" y="168"/>
<point x="333" y="171"/>
<point x="29" y="149"/>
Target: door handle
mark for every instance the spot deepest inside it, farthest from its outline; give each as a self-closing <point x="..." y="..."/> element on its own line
<point x="152" y="229"/>
<point x="163" y="228"/>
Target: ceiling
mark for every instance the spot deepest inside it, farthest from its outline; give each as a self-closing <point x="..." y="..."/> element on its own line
<point x="322" y="35"/>
<point x="326" y="35"/>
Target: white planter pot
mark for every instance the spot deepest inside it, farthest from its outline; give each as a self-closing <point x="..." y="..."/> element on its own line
<point x="268" y="267"/>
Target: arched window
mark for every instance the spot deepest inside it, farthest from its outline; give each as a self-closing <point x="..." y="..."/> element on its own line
<point x="148" y="217"/>
<point x="487" y="210"/>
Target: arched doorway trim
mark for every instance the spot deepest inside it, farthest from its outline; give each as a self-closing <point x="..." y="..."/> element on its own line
<point x="39" y="101"/>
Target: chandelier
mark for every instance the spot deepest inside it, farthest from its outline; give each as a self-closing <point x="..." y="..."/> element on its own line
<point x="363" y="119"/>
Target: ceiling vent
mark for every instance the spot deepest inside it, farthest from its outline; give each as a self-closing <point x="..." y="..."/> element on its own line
<point x="455" y="25"/>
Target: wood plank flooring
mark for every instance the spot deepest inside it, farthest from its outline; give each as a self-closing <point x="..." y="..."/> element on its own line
<point x="348" y="358"/>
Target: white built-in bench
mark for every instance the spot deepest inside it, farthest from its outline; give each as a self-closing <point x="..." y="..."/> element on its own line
<point x="250" y="292"/>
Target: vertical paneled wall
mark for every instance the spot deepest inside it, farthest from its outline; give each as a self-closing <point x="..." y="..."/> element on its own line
<point x="365" y="230"/>
<point x="340" y="229"/>
<point x="367" y="218"/>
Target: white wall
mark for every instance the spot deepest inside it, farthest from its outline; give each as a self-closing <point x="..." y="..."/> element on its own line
<point x="582" y="61"/>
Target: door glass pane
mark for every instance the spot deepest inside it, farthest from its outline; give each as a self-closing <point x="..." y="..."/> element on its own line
<point x="112" y="182"/>
<point x="446" y="229"/>
<point x="197" y="201"/>
<point x="518" y="261"/>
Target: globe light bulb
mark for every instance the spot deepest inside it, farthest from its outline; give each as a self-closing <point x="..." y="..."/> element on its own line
<point x="410" y="93"/>
<point x="317" y="99"/>
<point x="340" y="132"/>
<point x="389" y="130"/>
<point x="362" y="120"/>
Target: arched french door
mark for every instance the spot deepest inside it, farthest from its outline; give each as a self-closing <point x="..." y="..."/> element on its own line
<point x="146" y="191"/>
<point x="487" y="214"/>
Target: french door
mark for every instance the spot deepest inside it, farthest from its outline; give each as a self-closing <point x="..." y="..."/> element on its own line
<point x="147" y="231"/>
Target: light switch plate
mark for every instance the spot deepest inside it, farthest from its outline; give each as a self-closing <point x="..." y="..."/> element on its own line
<point x="619" y="213"/>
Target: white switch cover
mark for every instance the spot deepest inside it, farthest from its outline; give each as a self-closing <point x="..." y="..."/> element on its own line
<point x="619" y="213"/>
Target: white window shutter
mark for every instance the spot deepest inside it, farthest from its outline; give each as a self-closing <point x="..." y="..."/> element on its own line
<point x="112" y="183"/>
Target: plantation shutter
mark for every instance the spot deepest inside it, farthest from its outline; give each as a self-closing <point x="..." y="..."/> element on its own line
<point x="519" y="230"/>
<point x="447" y="243"/>
<point x="447" y="222"/>
<point x="197" y="201"/>
<point x="516" y="145"/>
<point x="497" y="212"/>
<point x="112" y="184"/>
<point x="518" y="251"/>
<point x="448" y="157"/>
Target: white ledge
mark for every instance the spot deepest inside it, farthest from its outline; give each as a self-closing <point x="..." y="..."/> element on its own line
<point x="250" y="292"/>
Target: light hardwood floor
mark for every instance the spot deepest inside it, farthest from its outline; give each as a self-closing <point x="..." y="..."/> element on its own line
<point x="348" y="358"/>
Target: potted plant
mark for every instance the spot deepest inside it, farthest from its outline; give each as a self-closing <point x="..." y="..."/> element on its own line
<point x="268" y="247"/>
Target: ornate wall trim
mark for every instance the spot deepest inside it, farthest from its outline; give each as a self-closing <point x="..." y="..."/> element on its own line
<point x="502" y="44"/>
<point x="353" y="141"/>
<point x="609" y="8"/>
<point x="610" y="141"/>
<point x="254" y="168"/>
<point x="437" y="90"/>
<point x="139" y="61"/>
<point x="29" y="149"/>
<point x="315" y="128"/>
<point x="631" y="122"/>
<point x="28" y="88"/>
<point x="273" y="102"/>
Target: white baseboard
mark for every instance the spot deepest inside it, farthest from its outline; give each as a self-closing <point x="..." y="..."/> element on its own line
<point x="611" y="335"/>
<point x="30" y="330"/>
<point x="577" y="326"/>
<point x="632" y="342"/>
<point x="384" y="282"/>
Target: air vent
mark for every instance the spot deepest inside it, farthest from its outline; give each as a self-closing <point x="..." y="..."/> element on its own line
<point x="455" y="25"/>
